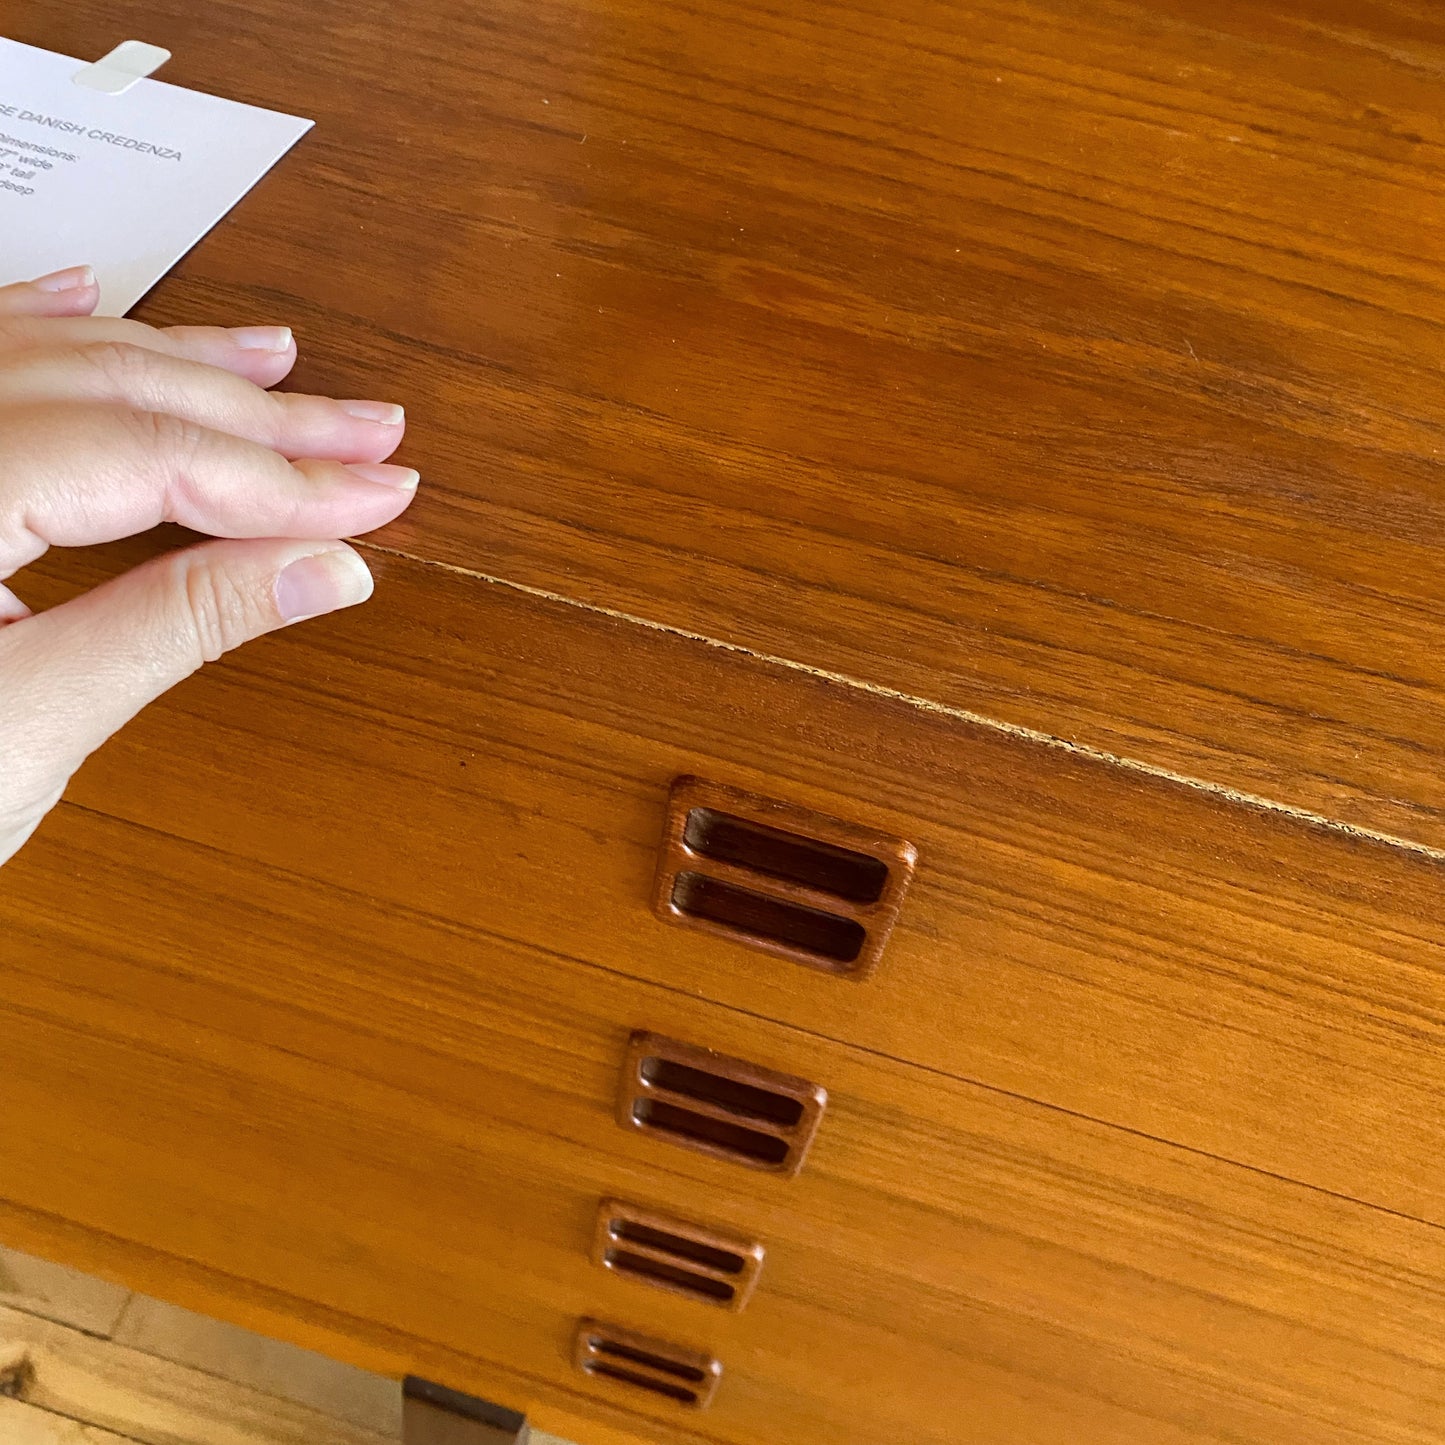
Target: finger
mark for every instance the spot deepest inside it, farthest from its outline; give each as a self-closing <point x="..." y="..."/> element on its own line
<point x="77" y="673"/>
<point x="74" y="474"/>
<point x="121" y="373"/>
<point x="12" y="609"/>
<point x="73" y="292"/>
<point x="263" y="354"/>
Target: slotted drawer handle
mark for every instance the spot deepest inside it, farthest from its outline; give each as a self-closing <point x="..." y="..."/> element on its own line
<point x="638" y="1363"/>
<point x="722" y="1106"/>
<point x="789" y="881"/>
<point x="709" y="1265"/>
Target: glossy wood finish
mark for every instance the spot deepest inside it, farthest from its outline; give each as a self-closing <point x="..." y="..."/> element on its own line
<point x="625" y="1362"/>
<point x="432" y="1110"/>
<point x="1071" y="361"/>
<point x="797" y="878"/>
<point x="1010" y="426"/>
<point x="659" y="1250"/>
<point x="1129" y="950"/>
<point x="687" y="1095"/>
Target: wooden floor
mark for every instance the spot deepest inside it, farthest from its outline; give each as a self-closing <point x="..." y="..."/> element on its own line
<point x="1015" y="426"/>
<point x="83" y="1362"/>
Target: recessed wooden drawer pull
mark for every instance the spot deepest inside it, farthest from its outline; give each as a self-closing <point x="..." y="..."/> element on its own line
<point x="608" y="1352"/>
<point x="722" y="1106"/>
<point x="783" y="879"/>
<point x="688" y="1259"/>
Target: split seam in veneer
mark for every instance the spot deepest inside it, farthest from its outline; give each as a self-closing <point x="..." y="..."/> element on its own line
<point x="1014" y="730"/>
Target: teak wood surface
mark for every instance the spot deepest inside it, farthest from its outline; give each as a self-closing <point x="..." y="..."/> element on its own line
<point x="1011" y="427"/>
<point x="1077" y="362"/>
<point x="428" y="1114"/>
<point x="1130" y="1138"/>
<point x="1120" y="947"/>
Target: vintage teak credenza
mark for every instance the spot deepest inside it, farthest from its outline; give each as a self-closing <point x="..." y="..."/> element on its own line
<point x="875" y="869"/>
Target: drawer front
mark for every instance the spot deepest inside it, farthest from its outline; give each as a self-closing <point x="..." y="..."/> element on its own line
<point x="407" y="1127"/>
<point x="1117" y="945"/>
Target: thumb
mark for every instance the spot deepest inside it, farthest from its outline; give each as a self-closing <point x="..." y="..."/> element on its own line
<point x="72" y="676"/>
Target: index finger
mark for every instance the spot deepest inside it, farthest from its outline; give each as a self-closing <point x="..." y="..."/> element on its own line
<point x="75" y="474"/>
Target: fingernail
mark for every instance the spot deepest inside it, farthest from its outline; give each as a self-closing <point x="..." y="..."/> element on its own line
<point x="386" y="412"/>
<point x="404" y="479"/>
<point x="74" y="278"/>
<point x="322" y="583"/>
<point x="261" y="338"/>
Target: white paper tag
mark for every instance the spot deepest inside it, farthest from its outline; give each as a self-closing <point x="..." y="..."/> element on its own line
<point x="127" y="183"/>
<point x="130" y="61"/>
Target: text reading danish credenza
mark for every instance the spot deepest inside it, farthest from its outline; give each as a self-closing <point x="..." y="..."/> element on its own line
<point x="875" y="870"/>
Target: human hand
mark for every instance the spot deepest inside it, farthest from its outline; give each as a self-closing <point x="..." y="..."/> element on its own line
<point x="108" y="428"/>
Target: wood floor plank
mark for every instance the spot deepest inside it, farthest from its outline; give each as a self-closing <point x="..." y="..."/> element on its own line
<point x="216" y="1350"/>
<point x="57" y="1293"/>
<point x="153" y="1401"/>
<point x="272" y="1367"/>
<point x="22" y="1424"/>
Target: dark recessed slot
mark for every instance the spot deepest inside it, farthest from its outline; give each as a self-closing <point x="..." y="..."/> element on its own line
<point x="822" y="934"/>
<point x="723" y="1260"/>
<point x="839" y="871"/>
<point x="725" y="1093"/>
<point x="686" y="1376"/>
<point x="603" y="1346"/>
<point x="469" y="1407"/>
<point x="679" y="1277"/>
<point x="614" y="1372"/>
<point x="682" y="1123"/>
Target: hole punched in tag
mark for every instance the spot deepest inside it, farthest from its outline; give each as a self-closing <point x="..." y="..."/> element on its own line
<point x="779" y="878"/>
<point x="130" y="61"/>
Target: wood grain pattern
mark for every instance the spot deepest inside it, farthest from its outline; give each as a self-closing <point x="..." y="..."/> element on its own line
<point x="702" y="1262"/>
<point x="826" y="867"/>
<point x="94" y="1387"/>
<point x="56" y="1293"/>
<point x="986" y="1269"/>
<point x="622" y="1361"/>
<point x="23" y="1424"/>
<point x="704" y="1084"/>
<point x="367" y="1403"/>
<point x="1073" y="361"/>
<point x="1126" y="949"/>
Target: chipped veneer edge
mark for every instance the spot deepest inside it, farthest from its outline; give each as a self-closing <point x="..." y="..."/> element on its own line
<point x="960" y="714"/>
